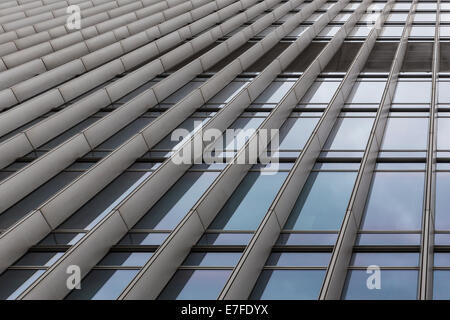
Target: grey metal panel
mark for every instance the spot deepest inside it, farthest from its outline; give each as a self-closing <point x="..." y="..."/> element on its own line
<point x="20" y="115"/>
<point x="21" y="236"/>
<point x="57" y="209"/>
<point x="28" y="178"/>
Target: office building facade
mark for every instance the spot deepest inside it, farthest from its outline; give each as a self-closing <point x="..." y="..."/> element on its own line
<point x="201" y="149"/>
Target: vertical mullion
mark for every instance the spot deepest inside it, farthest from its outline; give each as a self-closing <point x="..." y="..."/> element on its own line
<point x="428" y="218"/>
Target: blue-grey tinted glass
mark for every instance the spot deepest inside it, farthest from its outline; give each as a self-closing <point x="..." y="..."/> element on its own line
<point x="413" y="92"/>
<point x="442" y="259"/>
<point x="405" y="134"/>
<point x="212" y="259"/>
<point x="442" y="239"/>
<point x="61" y="239"/>
<point x="320" y="92"/>
<point x="274" y="92"/>
<point x="288" y="285"/>
<point x="388" y="239"/>
<point x="14" y="282"/>
<point x="441" y="279"/>
<point x="229" y="239"/>
<point x="442" y="201"/>
<point x="395" y="284"/>
<point x="195" y="285"/>
<point x="395" y="202"/>
<point x="39" y="259"/>
<point x="250" y="201"/>
<point x="366" y="92"/>
<point x="443" y="132"/>
<point x="176" y="202"/>
<point x="295" y="132"/>
<point x="103" y="285"/>
<point x="322" y="202"/>
<point x="299" y="259"/>
<point x="125" y="259"/>
<point x="349" y="134"/>
<point x="143" y="239"/>
<point x="302" y="239"/>
<point x="385" y="259"/>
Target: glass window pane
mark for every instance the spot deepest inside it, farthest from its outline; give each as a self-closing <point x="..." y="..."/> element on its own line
<point x="39" y="259"/>
<point x="125" y="259"/>
<point x="385" y="259"/>
<point x="212" y="259"/>
<point x="295" y="132"/>
<point x="299" y="259"/>
<point x="443" y="132"/>
<point x="441" y="280"/>
<point x="14" y="282"/>
<point x="442" y="201"/>
<point x="227" y="239"/>
<point x="274" y="92"/>
<point x="176" y="202"/>
<point x="388" y="239"/>
<point x="349" y="134"/>
<point x="288" y="285"/>
<point x="405" y="134"/>
<point x="395" y="284"/>
<point x="413" y="92"/>
<point x="250" y="201"/>
<point x="395" y="201"/>
<point x="366" y="92"/>
<point x="103" y="285"/>
<point x="320" y="92"/>
<point x="195" y="285"/>
<point x="322" y="202"/>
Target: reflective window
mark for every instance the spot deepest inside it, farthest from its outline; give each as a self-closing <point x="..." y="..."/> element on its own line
<point x="349" y="134"/>
<point x="274" y="92"/>
<point x="103" y="285"/>
<point x="249" y="203"/>
<point x="422" y="31"/>
<point x="392" y="31"/>
<point x="413" y="92"/>
<point x="288" y="285"/>
<point x="405" y="134"/>
<point x="366" y="92"/>
<point x="212" y="259"/>
<point x="395" y="201"/>
<point x="441" y="280"/>
<point x="395" y="284"/>
<point x="39" y="259"/>
<point x="295" y="132"/>
<point x="14" y="282"/>
<point x="125" y="259"/>
<point x="195" y="285"/>
<point x="299" y="259"/>
<point x="320" y="92"/>
<point x="386" y="259"/>
<point x="176" y="202"/>
<point x="322" y="202"/>
<point x="442" y="201"/>
<point x="443" y="132"/>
